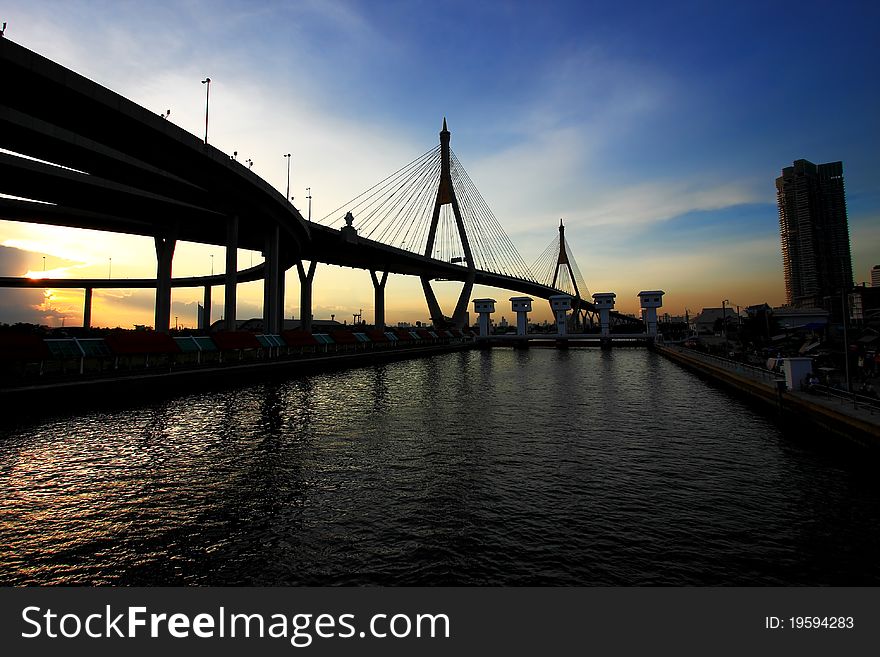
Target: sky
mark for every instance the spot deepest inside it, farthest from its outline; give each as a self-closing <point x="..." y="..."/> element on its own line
<point x="655" y="130"/>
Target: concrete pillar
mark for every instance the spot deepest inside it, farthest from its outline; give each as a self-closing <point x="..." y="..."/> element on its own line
<point x="651" y="300"/>
<point x="305" y="293"/>
<point x="271" y="274"/>
<point x="434" y="310"/>
<point x="282" y="273"/>
<point x="522" y="306"/>
<point x="87" y="309"/>
<point x="485" y="307"/>
<point x="379" y="298"/>
<point x="206" y="309"/>
<point x="604" y="302"/>
<point x="561" y="304"/>
<point x="231" y="271"/>
<point x="460" y="318"/>
<point x="164" y="257"/>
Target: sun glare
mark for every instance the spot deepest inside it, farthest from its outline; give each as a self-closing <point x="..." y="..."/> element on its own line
<point x="60" y="272"/>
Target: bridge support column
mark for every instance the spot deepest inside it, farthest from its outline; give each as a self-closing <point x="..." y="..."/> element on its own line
<point x="604" y="301"/>
<point x="280" y="296"/>
<point x="561" y="304"/>
<point x="379" y="298"/>
<point x="485" y="307"/>
<point x="522" y="306"/>
<point x="305" y="293"/>
<point x="433" y="306"/>
<point x="164" y="257"/>
<point x="651" y="300"/>
<point x="206" y="309"/>
<point x="459" y="315"/>
<point x="271" y="283"/>
<point x="87" y="309"/>
<point x="231" y="272"/>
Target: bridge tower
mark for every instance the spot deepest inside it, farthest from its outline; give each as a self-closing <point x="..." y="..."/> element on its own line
<point x="446" y="196"/>
<point x="563" y="263"/>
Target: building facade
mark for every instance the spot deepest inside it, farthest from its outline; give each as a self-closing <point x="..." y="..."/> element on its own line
<point x="875" y="276"/>
<point x="814" y="233"/>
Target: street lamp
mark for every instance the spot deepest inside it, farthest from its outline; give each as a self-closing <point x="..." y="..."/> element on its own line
<point x="845" y="340"/>
<point x="44" y="264"/>
<point x="110" y="269"/>
<point x="207" y="83"/>
<point x="309" y="196"/>
<point x="212" y="264"/>
<point x="724" y="303"/>
<point x="287" y="196"/>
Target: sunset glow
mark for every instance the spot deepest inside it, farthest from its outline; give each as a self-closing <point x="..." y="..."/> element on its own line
<point x="659" y="147"/>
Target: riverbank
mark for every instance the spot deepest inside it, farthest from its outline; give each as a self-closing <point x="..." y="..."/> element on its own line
<point x="144" y="384"/>
<point x="841" y="419"/>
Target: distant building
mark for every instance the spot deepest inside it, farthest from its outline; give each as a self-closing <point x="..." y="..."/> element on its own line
<point x="864" y="304"/>
<point x="814" y="232"/>
<point x="799" y="318"/>
<point x="704" y="323"/>
<point x="875" y="276"/>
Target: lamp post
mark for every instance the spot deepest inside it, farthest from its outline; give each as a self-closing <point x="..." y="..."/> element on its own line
<point x="309" y="196"/>
<point x="212" y="264"/>
<point x="287" y="196"/>
<point x="110" y="268"/>
<point x="44" y="264"/>
<point x="207" y="83"/>
<point x="724" y="303"/>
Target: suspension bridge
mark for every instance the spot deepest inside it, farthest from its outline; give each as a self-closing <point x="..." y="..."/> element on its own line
<point x="77" y="154"/>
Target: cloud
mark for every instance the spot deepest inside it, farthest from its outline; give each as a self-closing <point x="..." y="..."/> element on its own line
<point x="578" y="128"/>
<point x="30" y="262"/>
<point x="21" y="305"/>
<point x="564" y="159"/>
<point x="654" y="201"/>
<point x="14" y="262"/>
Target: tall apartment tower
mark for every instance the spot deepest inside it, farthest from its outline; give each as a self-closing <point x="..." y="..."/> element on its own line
<point x="875" y="276"/>
<point x="814" y="232"/>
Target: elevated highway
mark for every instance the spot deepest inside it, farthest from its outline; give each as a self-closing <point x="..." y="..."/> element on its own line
<point x="80" y="155"/>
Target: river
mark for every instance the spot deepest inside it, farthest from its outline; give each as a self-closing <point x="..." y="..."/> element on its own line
<point x="539" y="467"/>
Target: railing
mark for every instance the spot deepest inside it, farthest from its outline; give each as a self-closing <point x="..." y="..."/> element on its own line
<point x="871" y="404"/>
<point x="767" y="376"/>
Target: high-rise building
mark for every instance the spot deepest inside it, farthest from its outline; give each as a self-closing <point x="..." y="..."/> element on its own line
<point x="814" y="232"/>
<point x="875" y="276"/>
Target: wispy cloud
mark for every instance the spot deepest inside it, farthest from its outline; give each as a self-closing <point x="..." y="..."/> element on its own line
<point x="653" y="201"/>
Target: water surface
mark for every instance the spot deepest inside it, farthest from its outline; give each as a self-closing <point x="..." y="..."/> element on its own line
<point x="576" y="467"/>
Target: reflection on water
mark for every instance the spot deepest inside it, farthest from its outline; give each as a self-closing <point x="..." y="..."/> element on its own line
<point x="503" y="467"/>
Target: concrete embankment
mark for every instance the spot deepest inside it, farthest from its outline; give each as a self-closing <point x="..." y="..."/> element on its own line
<point x="145" y="384"/>
<point x="839" y="418"/>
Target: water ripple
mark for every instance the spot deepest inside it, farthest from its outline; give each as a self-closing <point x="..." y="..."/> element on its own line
<point x="539" y="467"/>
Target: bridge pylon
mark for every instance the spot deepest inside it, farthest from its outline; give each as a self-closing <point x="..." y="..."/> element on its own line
<point x="578" y="318"/>
<point x="446" y="196"/>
